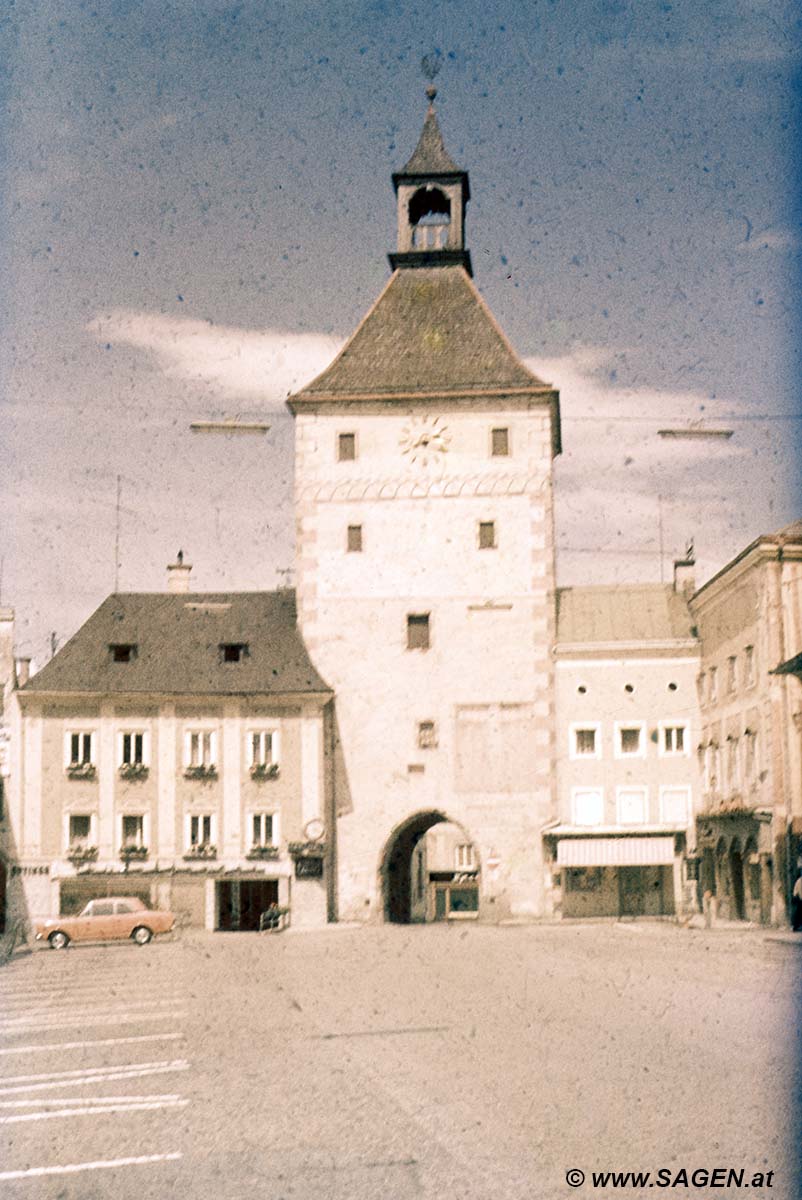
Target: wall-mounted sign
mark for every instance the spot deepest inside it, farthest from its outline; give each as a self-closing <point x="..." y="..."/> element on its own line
<point x="309" y="868"/>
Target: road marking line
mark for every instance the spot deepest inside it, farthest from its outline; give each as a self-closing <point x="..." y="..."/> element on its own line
<point x="96" y="1078"/>
<point x="142" y="1037"/>
<point x="93" y="1111"/>
<point x="85" y="1022"/>
<point x="100" y="1165"/>
<point x="327" y="1037"/>
<point x="102" y="1010"/>
<point x="40" y="1101"/>
<point x="100" y="1070"/>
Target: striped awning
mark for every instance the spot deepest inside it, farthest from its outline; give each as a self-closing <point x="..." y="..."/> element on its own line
<point x="615" y="852"/>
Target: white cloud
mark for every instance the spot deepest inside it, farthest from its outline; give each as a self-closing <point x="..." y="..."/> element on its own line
<point x="234" y="363"/>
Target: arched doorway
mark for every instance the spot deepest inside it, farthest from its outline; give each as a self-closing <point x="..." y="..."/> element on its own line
<point x="417" y="887"/>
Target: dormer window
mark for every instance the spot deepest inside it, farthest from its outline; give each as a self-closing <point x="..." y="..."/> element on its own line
<point x="123" y="652"/>
<point x="233" y="652"/>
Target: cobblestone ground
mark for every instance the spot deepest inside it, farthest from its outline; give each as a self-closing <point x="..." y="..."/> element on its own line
<point x="461" y="1062"/>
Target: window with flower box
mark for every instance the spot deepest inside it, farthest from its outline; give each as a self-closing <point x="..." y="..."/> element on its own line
<point x="80" y="835"/>
<point x="79" y="753"/>
<point x="200" y="835"/>
<point x="200" y="752"/>
<point x="263" y="753"/>
<point x="133" y="835"/>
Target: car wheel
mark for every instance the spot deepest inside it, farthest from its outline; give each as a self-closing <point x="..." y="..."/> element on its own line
<point x="142" y="935"/>
<point x="58" y="940"/>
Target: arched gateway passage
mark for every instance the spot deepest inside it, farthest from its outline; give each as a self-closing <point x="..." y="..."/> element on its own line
<point x="429" y="879"/>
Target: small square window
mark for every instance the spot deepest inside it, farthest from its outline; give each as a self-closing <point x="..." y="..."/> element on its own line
<point x="346" y="447"/>
<point x="427" y="735"/>
<point x="630" y="739"/>
<point x="80" y="829"/>
<point x="500" y="443"/>
<point x="675" y="739"/>
<point x="487" y="535"/>
<point x="585" y="742"/>
<point x="233" y="652"/>
<point x="133" y="829"/>
<point x="123" y="652"/>
<point x="354" y="539"/>
<point x="418" y="631"/>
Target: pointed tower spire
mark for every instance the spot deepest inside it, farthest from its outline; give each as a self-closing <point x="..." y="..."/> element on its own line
<point x="432" y="193"/>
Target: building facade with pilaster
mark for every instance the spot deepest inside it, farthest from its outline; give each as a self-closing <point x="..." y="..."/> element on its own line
<point x="174" y="749"/>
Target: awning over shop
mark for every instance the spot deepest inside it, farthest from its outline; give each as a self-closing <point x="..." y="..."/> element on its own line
<point x="615" y="852"/>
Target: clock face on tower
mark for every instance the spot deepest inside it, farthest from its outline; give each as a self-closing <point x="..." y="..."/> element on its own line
<point x="424" y="441"/>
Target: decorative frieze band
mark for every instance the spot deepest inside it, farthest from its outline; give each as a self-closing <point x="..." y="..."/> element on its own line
<point x="411" y="488"/>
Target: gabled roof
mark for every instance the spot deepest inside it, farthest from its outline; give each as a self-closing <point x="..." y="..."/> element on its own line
<point x="178" y="639"/>
<point x="428" y="333"/>
<point x="430" y="156"/>
<point x="650" y="612"/>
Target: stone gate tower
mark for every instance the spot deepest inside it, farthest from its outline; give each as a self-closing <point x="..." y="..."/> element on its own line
<point x="425" y="568"/>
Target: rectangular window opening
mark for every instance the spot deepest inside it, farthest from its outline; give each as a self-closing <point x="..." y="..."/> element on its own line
<point x="585" y="741"/>
<point x="354" y="539"/>
<point x="346" y="447"/>
<point x="200" y="830"/>
<point x="630" y="739"/>
<point x="134" y="831"/>
<point x="133" y="749"/>
<point x="80" y="828"/>
<point x="427" y="735"/>
<point x="487" y="535"/>
<point x="418" y="631"/>
<point x="262" y="829"/>
<point x="500" y="443"/>
<point x="80" y="749"/>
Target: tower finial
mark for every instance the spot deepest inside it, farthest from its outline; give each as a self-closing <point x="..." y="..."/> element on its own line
<point x="430" y="65"/>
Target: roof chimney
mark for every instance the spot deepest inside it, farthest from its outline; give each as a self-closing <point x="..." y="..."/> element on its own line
<point x="684" y="574"/>
<point x="178" y="574"/>
<point x="22" y="671"/>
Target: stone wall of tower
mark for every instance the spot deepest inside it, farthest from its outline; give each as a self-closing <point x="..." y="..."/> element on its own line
<point x="487" y="679"/>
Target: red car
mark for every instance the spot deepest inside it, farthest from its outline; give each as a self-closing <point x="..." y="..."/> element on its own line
<point x="104" y="920"/>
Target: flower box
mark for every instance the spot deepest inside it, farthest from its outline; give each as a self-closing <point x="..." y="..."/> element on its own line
<point x="133" y="853"/>
<point x="260" y="771"/>
<point x="78" y="855"/>
<point x="274" y="919"/>
<point x="205" y="851"/>
<point x="200" y="773"/>
<point x="81" y="771"/>
<point x="133" y="771"/>
<point x="269" y="853"/>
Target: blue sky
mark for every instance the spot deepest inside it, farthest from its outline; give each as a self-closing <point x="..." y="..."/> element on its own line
<point x="198" y="209"/>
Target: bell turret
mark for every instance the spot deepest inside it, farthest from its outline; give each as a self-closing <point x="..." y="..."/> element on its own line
<point x="432" y="194"/>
